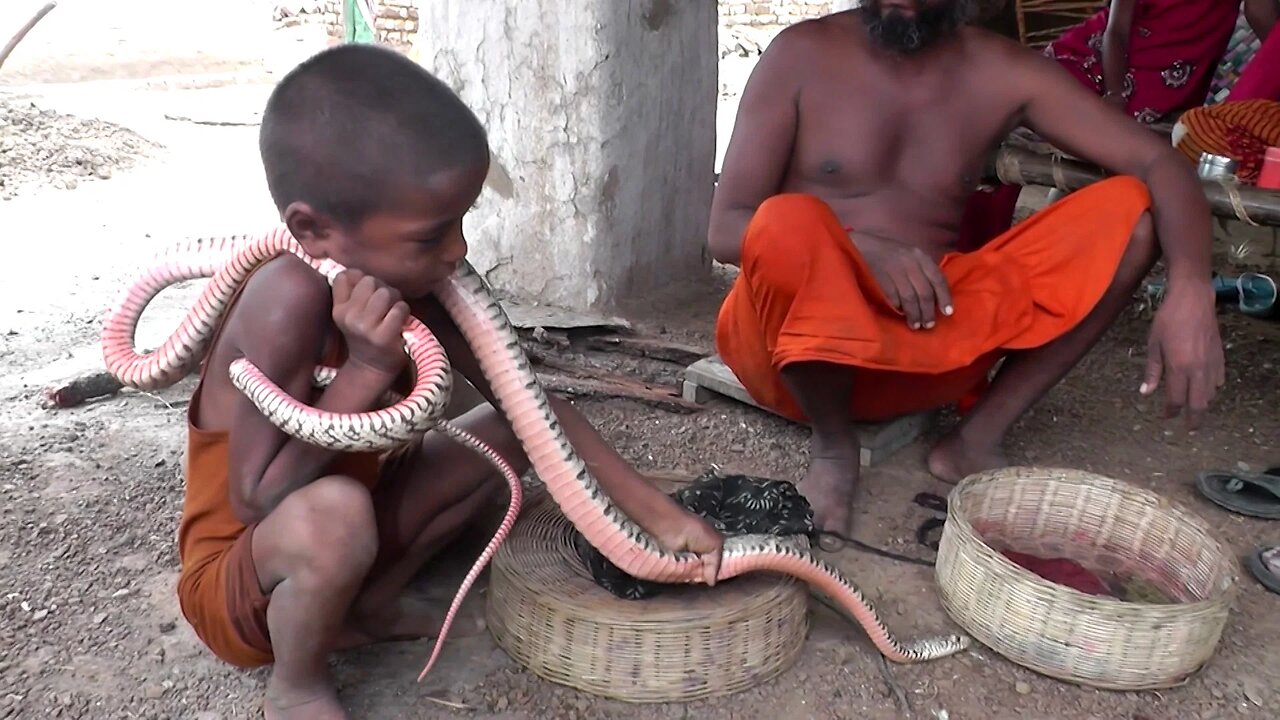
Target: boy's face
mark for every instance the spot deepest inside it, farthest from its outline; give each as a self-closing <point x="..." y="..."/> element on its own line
<point x="413" y="244"/>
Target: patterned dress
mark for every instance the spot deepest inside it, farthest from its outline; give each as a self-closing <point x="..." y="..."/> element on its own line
<point x="1174" y="48"/>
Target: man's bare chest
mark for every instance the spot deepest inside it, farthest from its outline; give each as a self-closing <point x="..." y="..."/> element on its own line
<point x="860" y="141"/>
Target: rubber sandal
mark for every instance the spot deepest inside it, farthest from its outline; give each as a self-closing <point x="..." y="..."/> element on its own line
<point x="1259" y="568"/>
<point x="1254" y="294"/>
<point x="1253" y="494"/>
<point x="938" y="504"/>
<point x="926" y="527"/>
<point x="929" y="501"/>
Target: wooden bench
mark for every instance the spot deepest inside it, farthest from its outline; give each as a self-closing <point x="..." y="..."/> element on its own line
<point x="709" y="378"/>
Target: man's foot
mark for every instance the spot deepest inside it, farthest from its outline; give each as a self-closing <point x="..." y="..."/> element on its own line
<point x="953" y="458"/>
<point x="829" y="486"/>
<point x="411" y="619"/>
<point x="289" y="704"/>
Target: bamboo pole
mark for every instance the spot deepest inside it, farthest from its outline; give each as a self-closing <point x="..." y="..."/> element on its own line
<point x="22" y="32"/>
<point x="1018" y="166"/>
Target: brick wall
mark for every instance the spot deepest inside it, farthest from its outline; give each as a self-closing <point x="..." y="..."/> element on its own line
<point x="771" y="12"/>
<point x="397" y="20"/>
<point x="396" y="24"/>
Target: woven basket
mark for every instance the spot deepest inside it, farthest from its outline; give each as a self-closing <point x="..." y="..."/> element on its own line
<point x="545" y="611"/>
<point x="1132" y="537"/>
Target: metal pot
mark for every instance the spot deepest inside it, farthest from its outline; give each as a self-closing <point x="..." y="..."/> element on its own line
<point x="1216" y="167"/>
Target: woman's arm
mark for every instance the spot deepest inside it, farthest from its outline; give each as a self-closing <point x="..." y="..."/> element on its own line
<point x="1261" y="16"/>
<point x="1115" y="50"/>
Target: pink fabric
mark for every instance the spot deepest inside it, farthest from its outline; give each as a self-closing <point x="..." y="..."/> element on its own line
<point x="1260" y="78"/>
<point x="1174" y="49"/>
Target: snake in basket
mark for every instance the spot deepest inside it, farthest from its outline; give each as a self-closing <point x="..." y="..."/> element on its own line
<point x="485" y="326"/>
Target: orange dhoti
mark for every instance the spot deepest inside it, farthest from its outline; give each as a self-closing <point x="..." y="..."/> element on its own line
<point x="806" y="294"/>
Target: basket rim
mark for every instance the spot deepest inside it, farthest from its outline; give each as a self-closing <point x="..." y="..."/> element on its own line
<point x="1221" y="592"/>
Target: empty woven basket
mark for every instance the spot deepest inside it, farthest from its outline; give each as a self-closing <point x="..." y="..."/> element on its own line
<point x="1118" y="531"/>
<point x="548" y="614"/>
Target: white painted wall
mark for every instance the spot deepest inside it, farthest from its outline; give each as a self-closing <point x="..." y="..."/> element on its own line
<point x="603" y="115"/>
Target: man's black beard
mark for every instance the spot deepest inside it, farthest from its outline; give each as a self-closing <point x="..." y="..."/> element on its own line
<point x="899" y="33"/>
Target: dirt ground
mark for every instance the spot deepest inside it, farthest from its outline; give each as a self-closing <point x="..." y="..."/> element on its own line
<point x="90" y="497"/>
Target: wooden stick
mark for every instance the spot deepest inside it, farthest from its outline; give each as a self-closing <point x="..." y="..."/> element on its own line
<point x="1017" y="166"/>
<point x="101" y="383"/>
<point x="22" y="33"/>
<point x="77" y="390"/>
<point x="648" y="347"/>
<point x="899" y="695"/>
<point x="216" y="123"/>
<point x="588" y="382"/>
<point x="600" y="388"/>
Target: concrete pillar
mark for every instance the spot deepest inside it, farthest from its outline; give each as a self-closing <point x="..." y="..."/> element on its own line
<point x="602" y="115"/>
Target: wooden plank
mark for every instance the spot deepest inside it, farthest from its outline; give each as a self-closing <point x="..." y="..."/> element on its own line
<point x="710" y="377"/>
<point x="1019" y="166"/>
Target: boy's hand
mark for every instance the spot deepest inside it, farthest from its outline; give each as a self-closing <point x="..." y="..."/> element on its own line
<point x="678" y="530"/>
<point x="371" y="316"/>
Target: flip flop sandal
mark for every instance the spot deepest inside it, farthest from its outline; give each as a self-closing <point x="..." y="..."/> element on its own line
<point x="929" y="501"/>
<point x="1259" y="568"/>
<point x="937" y="504"/>
<point x="1253" y="494"/>
<point x="926" y="527"/>
<point x="1254" y="294"/>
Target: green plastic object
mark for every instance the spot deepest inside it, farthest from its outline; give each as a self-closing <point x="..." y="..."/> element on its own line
<point x="354" y="27"/>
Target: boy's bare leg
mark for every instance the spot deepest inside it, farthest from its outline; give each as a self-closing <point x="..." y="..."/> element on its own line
<point x="311" y="554"/>
<point x="331" y="553"/>
<point x="975" y="444"/>
<point x="422" y="508"/>
<point x="823" y="391"/>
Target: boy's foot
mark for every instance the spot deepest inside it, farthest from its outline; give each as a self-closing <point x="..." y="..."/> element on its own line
<point x="284" y="705"/>
<point x="829" y="486"/>
<point x="953" y="458"/>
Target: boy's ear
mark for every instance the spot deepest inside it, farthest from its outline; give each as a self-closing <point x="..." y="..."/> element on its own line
<point x="313" y="230"/>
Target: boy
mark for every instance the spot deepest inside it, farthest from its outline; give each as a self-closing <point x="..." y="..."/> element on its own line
<point x="291" y="551"/>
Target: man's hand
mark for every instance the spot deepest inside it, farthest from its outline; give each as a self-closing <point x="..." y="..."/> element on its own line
<point x="371" y="316"/>
<point x="1185" y="347"/>
<point x="678" y="530"/>
<point x="910" y="279"/>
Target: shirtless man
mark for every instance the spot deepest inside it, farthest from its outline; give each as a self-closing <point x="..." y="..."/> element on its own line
<point x="859" y="138"/>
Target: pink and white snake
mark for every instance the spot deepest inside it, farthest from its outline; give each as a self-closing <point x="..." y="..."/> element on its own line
<point x="484" y="324"/>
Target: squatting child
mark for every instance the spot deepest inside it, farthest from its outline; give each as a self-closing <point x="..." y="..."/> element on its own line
<point x="290" y="551"/>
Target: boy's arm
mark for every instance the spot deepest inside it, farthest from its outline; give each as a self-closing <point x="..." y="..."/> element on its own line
<point x="639" y="499"/>
<point x="284" y="337"/>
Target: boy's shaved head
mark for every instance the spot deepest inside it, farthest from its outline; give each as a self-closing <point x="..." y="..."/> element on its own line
<point x="351" y="126"/>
